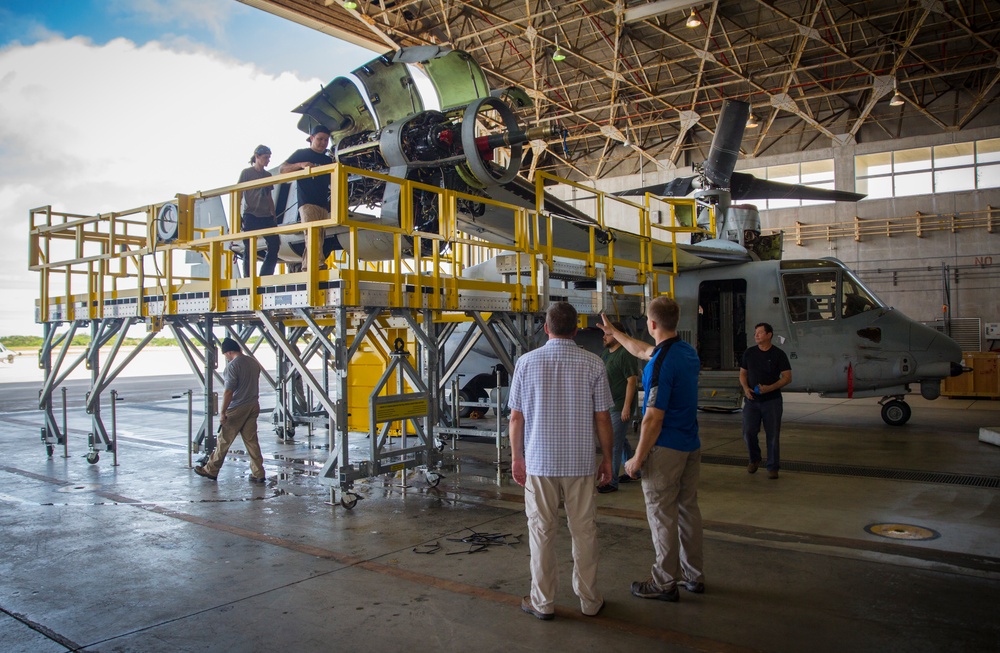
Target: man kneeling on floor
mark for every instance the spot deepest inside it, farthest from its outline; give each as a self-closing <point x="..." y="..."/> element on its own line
<point x="240" y="408"/>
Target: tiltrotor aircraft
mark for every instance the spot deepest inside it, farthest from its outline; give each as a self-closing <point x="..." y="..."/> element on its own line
<point x="841" y="339"/>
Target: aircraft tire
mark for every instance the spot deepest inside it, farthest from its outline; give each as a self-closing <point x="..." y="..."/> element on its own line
<point x="896" y="412"/>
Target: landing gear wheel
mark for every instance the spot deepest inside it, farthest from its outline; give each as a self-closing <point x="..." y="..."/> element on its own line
<point x="93" y="457"/>
<point x="432" y="478"/>
<point x="896" y="412"/>
<point x="348" y="500"/>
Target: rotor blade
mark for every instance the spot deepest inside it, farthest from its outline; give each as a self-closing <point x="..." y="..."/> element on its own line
<point x="674" y="188"/>
<point x="721" y="162"/>
<point x="744" y="186"/>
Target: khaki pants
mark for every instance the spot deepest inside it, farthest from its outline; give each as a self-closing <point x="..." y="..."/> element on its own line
<point x="241" y="420"/>
<point x="541" y="503"/>
<point x="670" y="487"/>
<point x="312" y="213"/>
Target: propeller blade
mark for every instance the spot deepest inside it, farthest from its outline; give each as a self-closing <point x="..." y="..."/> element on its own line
<point x="679" y="187"/>
<point x="725" y="150"/>
<point x="744" y="186"/>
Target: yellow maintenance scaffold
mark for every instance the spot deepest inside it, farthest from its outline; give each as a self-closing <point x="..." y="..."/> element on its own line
<point x="416" y="307"/>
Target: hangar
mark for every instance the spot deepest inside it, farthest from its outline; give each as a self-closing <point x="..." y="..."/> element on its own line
<point x="887" y="541"/>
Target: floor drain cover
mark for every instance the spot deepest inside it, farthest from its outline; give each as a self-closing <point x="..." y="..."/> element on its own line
<point x="902" y="531"/>
<point x="79" y="487"/>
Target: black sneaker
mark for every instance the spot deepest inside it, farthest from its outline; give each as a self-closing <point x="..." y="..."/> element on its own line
<point x="648" y="590"/>
<point x="695" y="587"/>
<point x="624" y="478"/>
<point x="604" y="489"/>
<point x="530" y="609"/>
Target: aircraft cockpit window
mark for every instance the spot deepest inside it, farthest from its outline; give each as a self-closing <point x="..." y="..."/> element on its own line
<point x="856" y="299"/>
<point x="811" y="295"/>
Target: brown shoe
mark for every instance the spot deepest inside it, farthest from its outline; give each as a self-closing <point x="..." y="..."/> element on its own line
<point x="530" y="609"/>
<point x="201" y="471"/>
<point x="772" y="474"/>
<point x="752" y="468"/>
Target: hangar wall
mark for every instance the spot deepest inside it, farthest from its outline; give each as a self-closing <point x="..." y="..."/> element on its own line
<point x="917" y="275"/>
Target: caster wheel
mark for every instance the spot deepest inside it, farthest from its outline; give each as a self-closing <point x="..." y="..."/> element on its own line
<point x="433" y="479"/>
<point x="49" y="449"/>
<point x="93" y="457"/>
<point x="349" y="500"/>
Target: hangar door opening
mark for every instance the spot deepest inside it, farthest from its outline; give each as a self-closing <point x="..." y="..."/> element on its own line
<point x="722" y="330"/>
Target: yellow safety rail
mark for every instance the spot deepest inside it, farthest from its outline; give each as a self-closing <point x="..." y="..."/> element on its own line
<point x="84" y="261"/>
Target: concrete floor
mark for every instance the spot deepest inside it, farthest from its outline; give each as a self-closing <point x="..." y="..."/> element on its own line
<point x="149" y="557"/>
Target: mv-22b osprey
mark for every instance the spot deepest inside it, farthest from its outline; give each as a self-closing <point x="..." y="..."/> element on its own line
<point x="842" y="340"/>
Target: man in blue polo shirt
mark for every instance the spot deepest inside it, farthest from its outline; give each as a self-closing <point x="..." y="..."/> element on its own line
<point x="668" y="453"/>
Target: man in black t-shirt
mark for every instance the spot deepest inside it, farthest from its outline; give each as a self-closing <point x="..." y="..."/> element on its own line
<point x="764" y="370"/>
<point x="314" y="192"/>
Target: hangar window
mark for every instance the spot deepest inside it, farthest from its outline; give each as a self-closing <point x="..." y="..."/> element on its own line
<point x="923" y="170"/>
<point x="818" y="174"/>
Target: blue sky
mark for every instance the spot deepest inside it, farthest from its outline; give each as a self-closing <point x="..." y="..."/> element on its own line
<point x="106" y="105"/>
<point x="247" y="34"/>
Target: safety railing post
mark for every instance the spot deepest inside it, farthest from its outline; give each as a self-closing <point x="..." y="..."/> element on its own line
<point x="190" y="395"/>
<point x="455" y="410"/>
<point x="114" y="429"/>
<point x="496" y="408"/>
<point x="65" y="431"/>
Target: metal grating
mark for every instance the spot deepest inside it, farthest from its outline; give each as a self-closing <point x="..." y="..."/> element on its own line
<point x="917" y="476"/>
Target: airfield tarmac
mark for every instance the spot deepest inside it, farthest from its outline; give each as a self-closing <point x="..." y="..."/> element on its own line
<point x="147" y="556"/>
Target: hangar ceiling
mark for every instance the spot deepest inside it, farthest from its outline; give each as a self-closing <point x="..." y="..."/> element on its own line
<point x="639" y="87"/>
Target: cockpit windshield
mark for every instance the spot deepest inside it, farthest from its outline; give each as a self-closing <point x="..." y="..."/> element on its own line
<point x="855" y="298"/>
<point x="827" y="294"/>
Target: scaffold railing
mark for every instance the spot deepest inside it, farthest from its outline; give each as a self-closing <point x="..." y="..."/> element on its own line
<point x="92" y="266"/>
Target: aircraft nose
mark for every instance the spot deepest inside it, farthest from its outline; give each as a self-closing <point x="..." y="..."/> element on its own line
<point x="937" y="355"/>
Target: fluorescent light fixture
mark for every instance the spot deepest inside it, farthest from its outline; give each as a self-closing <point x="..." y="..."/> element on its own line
<point x="752" y="121"/>
<point x="693" y="20"/>
<point x="636" y="13"/>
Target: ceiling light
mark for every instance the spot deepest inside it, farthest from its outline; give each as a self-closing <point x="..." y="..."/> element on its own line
<point x="558" y="55"/>
<point x="897" y="100"/>
<point x="350" y="4"/>
<point x="752" y="121"/>
<point x="693" y="20"/>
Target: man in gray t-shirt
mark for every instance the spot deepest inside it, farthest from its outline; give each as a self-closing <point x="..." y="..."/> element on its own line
<point x="238" y="416"/>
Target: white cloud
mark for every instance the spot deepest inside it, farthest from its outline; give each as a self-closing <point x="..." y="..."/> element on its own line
<point x="209" y="14"/>
<point x="92" y="129"/>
